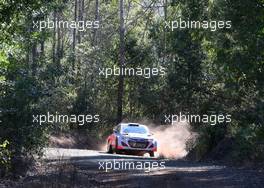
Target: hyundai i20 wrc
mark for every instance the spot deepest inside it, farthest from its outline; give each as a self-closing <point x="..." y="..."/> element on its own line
<point x="131" y="138"/>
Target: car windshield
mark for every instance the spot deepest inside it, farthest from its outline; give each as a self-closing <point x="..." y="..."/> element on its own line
<point x="135" y="129"/>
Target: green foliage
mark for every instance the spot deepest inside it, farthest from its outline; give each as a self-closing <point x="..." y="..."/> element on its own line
<point x="5" y="158"/>
<point x="249" y="145"/>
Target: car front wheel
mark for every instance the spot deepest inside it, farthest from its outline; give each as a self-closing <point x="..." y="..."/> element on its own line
<point x="151" y="154"/>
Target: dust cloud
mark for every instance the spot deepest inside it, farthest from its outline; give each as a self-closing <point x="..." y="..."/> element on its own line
<point x="172" y="139"/>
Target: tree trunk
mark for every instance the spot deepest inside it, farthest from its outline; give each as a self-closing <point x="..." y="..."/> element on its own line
<point x="42" y="47"/>
<point x="74" y="34"/>
<point x="58" y="55"/>
<point x="80" y="18"/>
<point x="94" y="41"/>
<point x="54" y="39"/>
<point x="79" y="33"/>
<point x="62" y="44"/>
<point x="34" y="58"/>
<point x="121" y="62"/>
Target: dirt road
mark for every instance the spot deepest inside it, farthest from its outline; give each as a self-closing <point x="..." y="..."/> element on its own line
<point x="88" y="169"/>
<point x="74" y="168"/>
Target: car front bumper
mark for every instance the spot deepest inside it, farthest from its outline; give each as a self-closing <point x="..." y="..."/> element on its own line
<point x="137" y="144"/>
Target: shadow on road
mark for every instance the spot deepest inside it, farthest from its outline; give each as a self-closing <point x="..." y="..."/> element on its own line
<point x="83" y="171"/>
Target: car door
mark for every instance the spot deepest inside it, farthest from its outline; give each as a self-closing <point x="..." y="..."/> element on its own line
<point x="114" y="135"/>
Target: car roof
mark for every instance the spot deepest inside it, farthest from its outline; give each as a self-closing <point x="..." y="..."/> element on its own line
<point x="131" y="124"/>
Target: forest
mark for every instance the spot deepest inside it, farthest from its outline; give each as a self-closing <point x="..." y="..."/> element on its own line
<point x="131" y="60"/>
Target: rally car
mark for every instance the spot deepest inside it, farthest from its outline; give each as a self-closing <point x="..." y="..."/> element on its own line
<point x="131" y="138"/>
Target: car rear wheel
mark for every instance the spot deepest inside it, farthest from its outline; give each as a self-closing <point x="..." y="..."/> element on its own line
<point x="109" y="148"/>
<point x="116" y="145"/>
